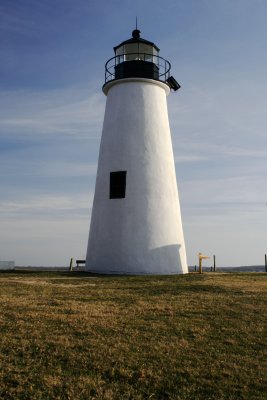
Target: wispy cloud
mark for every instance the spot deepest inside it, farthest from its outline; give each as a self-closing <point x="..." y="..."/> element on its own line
<point x="66" y="112"/>
<point x="214" y="122"/>
<point x="188" y="158"/>
<point x="44" y="241"/>
<point x="47" y="206"/>
<point x="16" y="19"/>
<point x="232" y="195"/>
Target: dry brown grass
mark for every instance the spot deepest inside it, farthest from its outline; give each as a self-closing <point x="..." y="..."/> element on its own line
<point x="73" y="336"/>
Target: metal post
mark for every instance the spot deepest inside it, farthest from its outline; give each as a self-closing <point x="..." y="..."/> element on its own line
<point x="265" y="262"/>
<point x="214" y="263"/>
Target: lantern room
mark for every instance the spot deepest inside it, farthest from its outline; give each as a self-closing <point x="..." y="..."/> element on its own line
<point x="137" y="58"/>
<point x="136" y="48"/>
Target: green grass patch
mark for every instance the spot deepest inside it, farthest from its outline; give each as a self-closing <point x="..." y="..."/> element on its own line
<point x="77" y="336"/>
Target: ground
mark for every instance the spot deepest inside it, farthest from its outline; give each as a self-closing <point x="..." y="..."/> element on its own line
<point x="78" y="336"/>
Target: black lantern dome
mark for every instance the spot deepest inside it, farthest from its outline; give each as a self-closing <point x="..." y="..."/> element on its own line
<point x="137" y="58"/>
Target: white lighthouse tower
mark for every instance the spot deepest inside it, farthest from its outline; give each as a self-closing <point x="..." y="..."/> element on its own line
<point x="136" y="225"/>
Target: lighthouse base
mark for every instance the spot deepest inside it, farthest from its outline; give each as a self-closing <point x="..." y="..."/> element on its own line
<point x="158" y="261"/>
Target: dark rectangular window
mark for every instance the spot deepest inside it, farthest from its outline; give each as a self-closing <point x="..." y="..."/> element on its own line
<point x="117" y="185"/>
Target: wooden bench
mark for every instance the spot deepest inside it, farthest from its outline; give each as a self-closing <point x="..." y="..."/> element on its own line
<point x="80" y="262"/>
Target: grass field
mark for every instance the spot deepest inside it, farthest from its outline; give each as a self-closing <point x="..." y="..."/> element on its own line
<point x="76" y="336"/>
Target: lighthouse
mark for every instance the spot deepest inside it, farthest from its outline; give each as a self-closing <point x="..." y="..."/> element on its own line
<point x="136" y="225"/>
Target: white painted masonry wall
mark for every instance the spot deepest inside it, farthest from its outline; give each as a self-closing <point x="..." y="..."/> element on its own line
<point x="141" y="233"/>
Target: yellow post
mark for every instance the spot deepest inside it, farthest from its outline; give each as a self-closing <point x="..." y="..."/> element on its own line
<point x="200" y="258"/>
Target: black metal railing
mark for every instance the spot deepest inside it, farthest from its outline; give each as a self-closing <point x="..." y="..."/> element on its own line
<point x="163" y="65"/>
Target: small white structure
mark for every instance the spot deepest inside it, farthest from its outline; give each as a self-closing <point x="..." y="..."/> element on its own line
<point x="136" y="225"/>
<point x="7" y="265"/>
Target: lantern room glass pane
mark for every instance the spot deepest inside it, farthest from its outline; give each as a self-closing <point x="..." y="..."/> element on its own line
<point x="136" y="51"/>
<point x="145" y="48"/>
<point x="119" y="51"/>
<point x="120" y="55"/>
<point x="131" y="51"/>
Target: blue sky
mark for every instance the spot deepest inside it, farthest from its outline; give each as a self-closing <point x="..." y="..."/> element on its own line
<point x="51" y="110"/>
